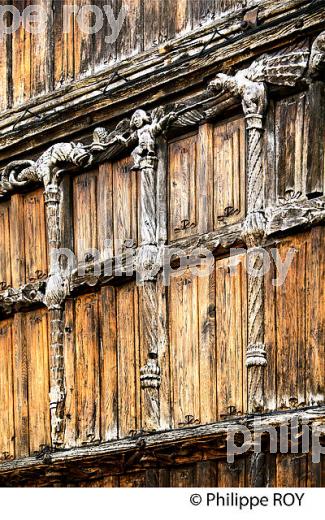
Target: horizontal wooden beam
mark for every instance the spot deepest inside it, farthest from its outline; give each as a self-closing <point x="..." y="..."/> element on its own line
<point x="143" y="450"/>
<point x="152" y="76"/>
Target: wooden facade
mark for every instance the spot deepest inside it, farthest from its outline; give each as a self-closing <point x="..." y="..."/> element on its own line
<point x="183" y="167"/>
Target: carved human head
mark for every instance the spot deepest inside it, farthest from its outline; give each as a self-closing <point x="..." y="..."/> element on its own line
<point x="139" y="118"/>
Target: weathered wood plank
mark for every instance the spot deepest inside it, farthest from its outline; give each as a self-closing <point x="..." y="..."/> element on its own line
<point x="20" y="385"/>
<point x="85" y="215"/>
<point x="7" y="428"/>
<point x="87" y="369"/>
<point x="36" y="337"/>
<point x="108" y="365"/>
<point x="35" y="235"/>
<point x="5" y="253"/>
<point x="17" y="240"/>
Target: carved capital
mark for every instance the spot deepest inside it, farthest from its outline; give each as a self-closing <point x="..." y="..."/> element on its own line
<point x="147" y="263"/>
<point x="317" y="57"/>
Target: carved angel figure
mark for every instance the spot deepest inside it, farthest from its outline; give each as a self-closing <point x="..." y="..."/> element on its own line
<point x="145" y="130"/>
<point x="47" y="168"/>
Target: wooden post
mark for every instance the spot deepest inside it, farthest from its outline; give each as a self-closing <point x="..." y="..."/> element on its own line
<point x="146" y="276"/>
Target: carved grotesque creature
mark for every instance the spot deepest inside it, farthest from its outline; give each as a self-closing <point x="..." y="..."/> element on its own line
<point x="47" y="168"/>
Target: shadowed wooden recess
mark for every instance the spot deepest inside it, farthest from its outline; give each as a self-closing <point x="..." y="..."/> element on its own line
<point x="182" y="168"/>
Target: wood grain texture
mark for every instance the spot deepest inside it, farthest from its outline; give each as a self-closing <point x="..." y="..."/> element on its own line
<point x="5" y="256"/>
<point x="7" y="427"/>
<point x="35" y="236"/>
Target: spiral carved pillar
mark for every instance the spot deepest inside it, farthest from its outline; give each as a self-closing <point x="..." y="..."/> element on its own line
<point x="147" y="268"/>
<point x="54" y="300"/>
<point x="253" y="234"/>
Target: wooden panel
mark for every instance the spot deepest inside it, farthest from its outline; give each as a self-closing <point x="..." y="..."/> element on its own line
<point x="291" y="470"/>
<point x="289" y="146"/>
<point x="70" y="375"/>
<point x="295" y="322"/>
<point x="63" y="39"/>
<point x="130" y="40"/>
<point x="83" y="41"/>
<point x="20" y="370"/>
<point x="41" y="52"/>
<point x="128" y="359"/>
<point x="35" y="236"/>
<point x="182" y="187"/>
<point x="7" y="429"/>
<point x="21" y="59"/>
<point x="87" y="368"/>
<point x="5" y="72"/>
<point x="5" y="257"/>
<point x="192" y="347"/>
<point x="17" y="240"/>
<point x="315" y="317"/>
<point x="85" y="214"/>
<point x="133" y="480"/>
<point x="231" y="475"/>
<point x="38" y="379"/>
<point x="231" y="297"/>
<point x="125" y="203"/>
<point x="229" y="172"/>
<point x="108" y="365"/>
<point x="290" y="320"/>
<point x="315" y="139"/>
<point x="184" y="347"/>
<point x="182" y="477"/>
<point x="105" y="207"/>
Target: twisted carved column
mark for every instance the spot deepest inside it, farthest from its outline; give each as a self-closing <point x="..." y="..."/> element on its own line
<point x="147" y="269"/>
<point x="56" y="291"/>
<point x="254" y="102"/>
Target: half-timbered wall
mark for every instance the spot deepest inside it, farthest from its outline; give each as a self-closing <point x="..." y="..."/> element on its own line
<point x="89" y="359"/>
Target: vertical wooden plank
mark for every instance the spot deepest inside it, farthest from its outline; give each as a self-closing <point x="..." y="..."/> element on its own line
<point x="105" y="206"/>
<point x="21" y="59"/>
<point x="291" y="470"/>
<point x="231" y="294"/>
<point x="133" y="480"/>
<point x="182" y="187"/>
<point x="35" y="234"/>
<point x="36" y="337"/>
<point x="205" y="179"/>
<point x="17" y="240"/>
<point x="70" y="375"/>
<point x="108" y="365"/>
<point x="85" y="214"/>
<point x="207" y="350"/>
<point x="41" y="52"/>
<point x="7" y="429"/>
<point x="84" y="43"/>
<point x="270" y="371"/>
<point x="125" y="204"/>
<point x="128" y="367"/>
<point x="270" y="151"/>
<point x="5" y="66"/>
<point x="105" y="51"/>
<point x="164" y="355"/>
<point x="202" y="12"/>
<point x="87" y="369"/>
<point x="130" y="40"/>
<point x="229" y="172"/>
<point x="290" y="320"/>
<point x="66" y="213"/>
<point x="63" y="42"/>
<point x="315" y="317"/>
<point x="206" y="474"/>
<point x="289" y="124"/>
<point x="232" y="475"/>
<point x="184" y="347"/>
<point x="182" y="477"/>
<point x="5" y="256"/>
<point x="20" y="386"/>
<point x="315" y="139"/>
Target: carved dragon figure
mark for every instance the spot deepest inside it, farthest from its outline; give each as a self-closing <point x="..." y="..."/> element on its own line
<point x="46" y="168"/>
